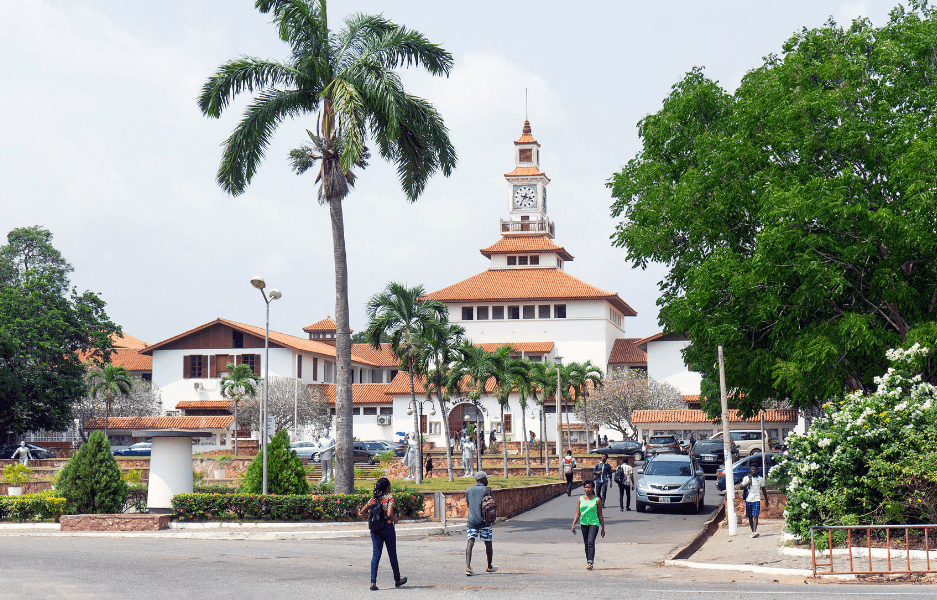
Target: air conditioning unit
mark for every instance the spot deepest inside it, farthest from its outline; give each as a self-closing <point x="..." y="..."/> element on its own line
<point x="383" y="419"/>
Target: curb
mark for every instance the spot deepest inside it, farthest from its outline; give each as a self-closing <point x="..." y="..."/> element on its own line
<point x="709" y="527"/>
<point x="746" y="568"/>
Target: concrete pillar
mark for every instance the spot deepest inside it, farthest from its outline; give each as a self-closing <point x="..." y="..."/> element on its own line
<point x="170" y="472"/>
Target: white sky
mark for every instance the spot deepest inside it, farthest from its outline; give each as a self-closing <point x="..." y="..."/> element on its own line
<point x="103" y="144"/>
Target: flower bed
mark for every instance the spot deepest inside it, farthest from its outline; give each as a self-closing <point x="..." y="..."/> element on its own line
<point x="44" y="506"/>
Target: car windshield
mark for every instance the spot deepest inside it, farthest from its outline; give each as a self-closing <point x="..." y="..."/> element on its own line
<point x="668" y="468"/>
<point x="661" y="440"/>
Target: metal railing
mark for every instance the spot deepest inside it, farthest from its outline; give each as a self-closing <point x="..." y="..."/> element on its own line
<point x="879" y="559"/>
<point x="533" y="226"/>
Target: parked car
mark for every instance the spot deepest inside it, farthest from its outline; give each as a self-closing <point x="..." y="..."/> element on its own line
<point x="304" y="449"/>
<point x="35" y="452"/>
<point x="711" y="455"/>
<point x="138" y="449"/>
<point x="623" y="448"/>
<point x="661" y="444"/>
<point x="362" y="454"/>
<point x="382" y="446"/>
<point x="748" y="440"/>
<point x="743" y="467"/>
<point x="668" y="479"/>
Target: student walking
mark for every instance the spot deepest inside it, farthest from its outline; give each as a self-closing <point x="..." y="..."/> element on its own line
<point x="569" y="467"/>
<point x="755" y="486"/>
<point x="589" y="514"/>
<point x="476" y="528"/>
<point x="624" y="477"/>
<point x="602" y="472"/>
<point x="384" y="535"/>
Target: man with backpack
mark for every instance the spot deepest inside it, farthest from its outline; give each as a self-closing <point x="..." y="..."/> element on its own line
<point x="624" y="477"/>
<point x="481" y="513"/>
<point x="602" y="473"/>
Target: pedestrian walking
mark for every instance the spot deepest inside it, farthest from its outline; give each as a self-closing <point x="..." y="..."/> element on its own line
<point x="382" y="504"/>
<point x="755" y="487"/>
<point x="429" y="466"/>
<point x="602" y="473"/>
<point x="569" y="467"/>
<point x="589" y="515"/>
<point x="692" y="442"/>
<point x="624" y="477"/>
<point x="476" y="528"/>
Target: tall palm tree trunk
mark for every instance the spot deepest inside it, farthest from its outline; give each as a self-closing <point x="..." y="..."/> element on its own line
<point x="585" y="410"/>
<point x="445" y="427"/>
<point x="416" y="427"/>
<point x="107" y="412"/>
<point x="236" y="425"/>
<point x="526" y="439"/>
<point x="344" y="472"/>
<point x="504" y="445"/>
<point x="569" y="431"/>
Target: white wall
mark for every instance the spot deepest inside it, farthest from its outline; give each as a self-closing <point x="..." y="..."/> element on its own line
<point x="664" y="359"/>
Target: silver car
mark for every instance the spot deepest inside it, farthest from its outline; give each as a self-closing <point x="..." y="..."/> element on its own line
<point x="671" y="479"/>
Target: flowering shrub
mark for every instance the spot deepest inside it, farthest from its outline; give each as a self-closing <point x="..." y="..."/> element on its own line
<point x="871" y="459"/>
<point x="42" y="506"/>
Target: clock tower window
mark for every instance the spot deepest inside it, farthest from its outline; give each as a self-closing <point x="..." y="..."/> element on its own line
<point x="522" y="260"/>
<point x="525" y="155"/>
<point x="512" y="261"/>
<point x="535" y="259"/>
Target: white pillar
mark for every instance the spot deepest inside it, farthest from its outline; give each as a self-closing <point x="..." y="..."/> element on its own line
<point x="170" y="472"/>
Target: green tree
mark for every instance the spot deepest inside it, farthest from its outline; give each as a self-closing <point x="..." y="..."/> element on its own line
<point x="347" y="79"/>
<point x="45" y="332"/>
<point x="143" y="400"/>
<point x="110" y="381"/>
<point x="90" y="480"/>
<point x="622" y="392"/>
<point x="583" y="377"/>
<point x="509" y="374"/>
<point x="285" y="474"/>
<point x="471" y="369"/>
<point x="401" y="312"/>
<point x="542" y="389"/>
<point x="240" y="381"/>
<point x="797" y="215"/>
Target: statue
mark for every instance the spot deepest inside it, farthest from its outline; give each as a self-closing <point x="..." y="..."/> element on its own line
<point x="326" y="452"/>
<point x="23" y="453"/>
<point x="468" y="456"/>
<point x="410" y="459"/>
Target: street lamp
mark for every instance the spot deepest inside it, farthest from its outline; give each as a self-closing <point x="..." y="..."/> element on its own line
<point x="559" y="418"/>
<point x="258" y="282"/>
<point x="419" y="434"/>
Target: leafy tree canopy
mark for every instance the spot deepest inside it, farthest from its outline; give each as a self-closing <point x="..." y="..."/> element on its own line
<point x="798" y="214"/>
<point x="623" y="392"/>
<point x="44" y="329"/>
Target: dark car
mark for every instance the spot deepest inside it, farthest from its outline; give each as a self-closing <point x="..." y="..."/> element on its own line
<point x="662" y="444"/>
<point x="624" y="448"/>
<point x="138" y="449"/>
<point x="710" y="455"/>
<point x="35" y="452"/>
<point x="382" y="446"/>
<point x="743" y="467"/>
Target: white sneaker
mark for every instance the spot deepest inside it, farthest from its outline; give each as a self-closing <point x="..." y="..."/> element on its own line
<point x="754" y="534"/>
<point x="491" y="569"/>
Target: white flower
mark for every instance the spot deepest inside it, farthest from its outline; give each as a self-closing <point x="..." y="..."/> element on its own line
<point x="825" y="442"/>
<point x="814" y="466"/>
<point x="804" y="505"/>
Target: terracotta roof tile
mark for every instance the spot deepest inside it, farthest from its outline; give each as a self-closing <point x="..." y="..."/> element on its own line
<point x="131" y="359"/>
<point x="667" y="337"/>
<point x="127" y="341"/>
<point x="203" y="404"/>
<point x="527" y="172"/>
<point x="361" y="393"/>
<point x="185" y="423"/>
<point x="401" y="385"/>
<point x="527" y="135"/>
<point x="697" y="416"/>
<point x="325" y="324"/>
<point x="511" y="244"/>
<point x="505" y="285"/>
<point x="625" y="351"/>
<point x="526" y="347"/>
<point x="384" y="357"/>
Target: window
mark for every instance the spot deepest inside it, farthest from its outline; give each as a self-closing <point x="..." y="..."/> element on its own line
<point x="559" y="262"/>
<point x="535" y="260"/>
<point x="356" y="411"/>
<point x="525" y="155"/>
<point x="530" y="311"/>
<point x="467" y="313"/>
<point x="238" y="339"/>
<point x="614" y="316"/>
<point x="423" y="424"/>
<point x="377" y="376"/>
<point x="522" y="260"/>
<point x="435" y="428"/>
<point x="544" y="311"/>
<point x="219" y="365"/>
<point x="535" y="358"/>
<point x="252" y="360"/>
<point x="481" y="313"/>
<point x="387" y="410"/>
<point x="514" y="312"/>
<point x="332" y="411"/>
<point x="315" y="368"/>
<point x="194" y="366"/>
<point x="393" y="373"/>
<point x="559" y="311"/>
<point x="497" y="312"/>
<point x="327" y="375"/>
<point x="507" y="424"/>
<point x="512" y="261"/>
<point x="370" y="410"/>
<point x="299" y="366"/>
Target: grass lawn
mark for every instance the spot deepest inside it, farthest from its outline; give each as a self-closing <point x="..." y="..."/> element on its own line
<point x="441" y="484"/>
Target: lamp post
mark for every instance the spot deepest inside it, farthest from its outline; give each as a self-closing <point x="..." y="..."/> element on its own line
<point x="419" y="434"/>
<point x="559" y="418"/>
<point x="258" y="282"/>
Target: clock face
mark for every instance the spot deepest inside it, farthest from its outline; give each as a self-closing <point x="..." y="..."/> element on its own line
<point x="525" y="196"/>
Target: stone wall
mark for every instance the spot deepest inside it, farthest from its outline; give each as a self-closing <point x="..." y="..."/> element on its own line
<point x="114" y="522"/>
<point x="775" y="510"/>
<point x="511" y="501"/>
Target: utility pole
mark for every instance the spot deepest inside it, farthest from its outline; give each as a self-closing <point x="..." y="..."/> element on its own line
<point x="727" y="449"/>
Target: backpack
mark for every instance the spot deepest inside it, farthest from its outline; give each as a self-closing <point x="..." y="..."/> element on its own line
<point x="489" y="509"/>
<point x="376" y="517"/>
<point x="569" y="465"/>
<point x="620" y="475"/>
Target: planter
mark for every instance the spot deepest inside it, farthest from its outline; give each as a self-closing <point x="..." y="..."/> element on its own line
<point x="219" y="473"/>
<point x="14" y="491"/>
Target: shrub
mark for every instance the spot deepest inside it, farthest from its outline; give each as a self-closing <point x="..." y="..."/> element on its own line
<point x="285" y="474"/>
<point x="136" y="498"/>
<point x="91" y="481"/>
<point x="872" y="459"/>
<point x="16" y="475"/>
<point x="223" y="460"/>
<point x="132" y="477"/>
<point x="295" y="508"/>
<point x="45" y="505"/>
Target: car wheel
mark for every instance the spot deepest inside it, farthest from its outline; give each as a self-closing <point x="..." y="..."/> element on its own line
<point x="638" y="455"/>
<point x="371" y="460"/>
<point x="700" y="503"/>
<point x="640" y="506"/>
<point x="754" y="451"/>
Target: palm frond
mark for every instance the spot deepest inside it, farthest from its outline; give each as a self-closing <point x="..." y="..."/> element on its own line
<point x="359" y="33"/>
<point x="400" y="46"/>
<point x="243" y="74"/>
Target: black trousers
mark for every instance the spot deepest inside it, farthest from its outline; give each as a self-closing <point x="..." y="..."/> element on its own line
<point x="624" y="488"/>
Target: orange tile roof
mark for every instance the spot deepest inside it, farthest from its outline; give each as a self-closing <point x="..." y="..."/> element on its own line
<point x="361" y="393"/>
<point x="526" y="135"/>
<point x="401" y="385"/>
<point x="510" y="244"/>
<point x="664" y="337"/>
<point x="204" y="404"/>
<point x="281" y="339"/>
<point x="691" y="397"/>
<point x="384" y="357"/>
<point x="775" y="415"/>
<point x="185" y="423"/>
<point x="527" y="172"/>
<point x="505" y="285"/>
<point x="131" y="359"/>
<point x="526" y="347"/>
<point x="625" y="351"/>
<point x="127" y="341"/>
<point x="325" y="324"/>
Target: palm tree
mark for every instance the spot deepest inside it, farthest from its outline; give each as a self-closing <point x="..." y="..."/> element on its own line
<point x="473" y="367"/>
<point x="347" y="80"/>
<point x="400" y="312"/>
<point x="586" y="376"/>
<point x="523" y="384"/>
<point x="543" y="380"/>
<point x="236" y="384"/>
<point x="508" y="373"/>
<point x="111" y="381"/>
<point x="438" y="347"/>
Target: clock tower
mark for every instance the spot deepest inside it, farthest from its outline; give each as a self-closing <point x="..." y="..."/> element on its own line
<point x="527" y="185"/>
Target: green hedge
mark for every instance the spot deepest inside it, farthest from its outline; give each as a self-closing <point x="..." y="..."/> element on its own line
<point x="43" y="506"/>
<point x="256" y="507"/>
